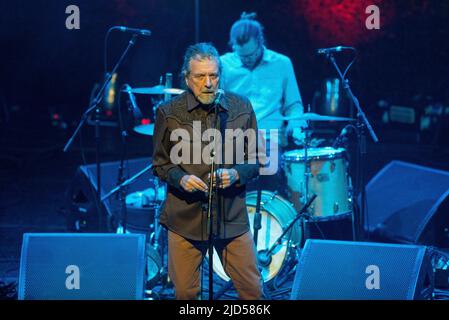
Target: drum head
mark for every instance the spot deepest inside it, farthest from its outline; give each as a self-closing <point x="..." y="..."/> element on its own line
<point x="153" y="267"/>
<point x="313" y="154"/>
<point x="276" y="214"/>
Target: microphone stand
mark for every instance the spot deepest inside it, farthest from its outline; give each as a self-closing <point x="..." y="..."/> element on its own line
<point x="257" y="225"/>
<point x="362" y="126"/>
<point x="210" y="226"/>
<point x="210" y="217"/>
<point x="266" y="254"/>
<point x="95" y="105"/>
<point x="121" y="169"/>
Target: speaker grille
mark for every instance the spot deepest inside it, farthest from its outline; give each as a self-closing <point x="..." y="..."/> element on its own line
<point x="111" y="266"/>
<point x="338" y="270"/>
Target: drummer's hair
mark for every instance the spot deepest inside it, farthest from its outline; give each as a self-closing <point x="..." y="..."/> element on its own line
<point x="199" y="51"/>
<point x="245" y="28"/>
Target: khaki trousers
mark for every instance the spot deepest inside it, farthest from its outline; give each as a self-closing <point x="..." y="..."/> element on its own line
<point x="238" y="256"/>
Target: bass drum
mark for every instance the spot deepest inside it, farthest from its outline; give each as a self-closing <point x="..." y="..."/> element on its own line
<point x="276" y="214"/>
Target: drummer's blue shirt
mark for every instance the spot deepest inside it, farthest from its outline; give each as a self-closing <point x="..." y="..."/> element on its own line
<point x="271" y="87"/>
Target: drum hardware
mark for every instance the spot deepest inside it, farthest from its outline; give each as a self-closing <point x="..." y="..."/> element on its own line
<point x="307" y="172"/>
<point x="273" y="211"/>
<point x="94" y="105"/>
<point x="276" y="213"/>
<point x="147" y="203"/>
<point x="121" y="193"/>
<point x="266" y="255"/>
<point x="143" y="209"/>
<point x="157" y="227"/>
<point x="148" y="128"/>
<point x="126" y="182"/>
<point x="152" y="255"/>
<point x="257" y="225"/>
<point x="328" y="178"/>
<point x="159" y="94"/>
<point x="168" y="84"/>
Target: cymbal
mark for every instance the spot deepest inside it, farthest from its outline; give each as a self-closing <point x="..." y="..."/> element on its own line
<point x="156" y="90"/>
<point x="173" y="91"/>
<point x="314" y="117"/>
<point x="146" y="129"/>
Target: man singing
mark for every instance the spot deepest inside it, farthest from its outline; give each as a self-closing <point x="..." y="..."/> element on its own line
<point x="184" y="213"/>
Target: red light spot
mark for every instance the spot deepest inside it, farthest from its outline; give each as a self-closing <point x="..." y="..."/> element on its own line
<point x="145" y="121"/>
<point x="109" y="113"/>
<point x="55" y="116"/>
<point x="342" y="22"/>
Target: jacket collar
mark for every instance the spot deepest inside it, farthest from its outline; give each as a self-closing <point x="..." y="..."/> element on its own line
<point x="193" y="103"/>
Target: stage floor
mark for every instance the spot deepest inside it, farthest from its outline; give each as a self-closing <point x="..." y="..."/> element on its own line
<point x="34" y="183"/>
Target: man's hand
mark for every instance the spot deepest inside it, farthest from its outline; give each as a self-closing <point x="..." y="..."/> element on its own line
<point x="296" y="132"/>
<point x="191" y="183"/>
<point x="226" y="177"/>
<point x="298" y="136"/>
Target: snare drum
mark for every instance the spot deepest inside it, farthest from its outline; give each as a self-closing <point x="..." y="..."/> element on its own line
<point x="142" y="207"/>
<point x="276" y="214"/>
<point x="148" y="197"/>
<point x="328" y="179"/>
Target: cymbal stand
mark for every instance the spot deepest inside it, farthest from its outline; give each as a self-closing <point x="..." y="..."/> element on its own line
<point x="95" y="105"/>
<point x="307" y="172"/>
<point x="157" y="207"/>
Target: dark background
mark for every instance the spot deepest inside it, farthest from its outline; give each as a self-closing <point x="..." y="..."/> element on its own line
<point x="48" y="73"/>
<point x="45" y="65"/>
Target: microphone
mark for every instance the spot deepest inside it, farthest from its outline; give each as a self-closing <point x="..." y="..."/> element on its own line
<point x="264" y="258"/>
<point x="136" y="111"/>
<point x="333" y="49"/>
<point x="141" y="32"/>
<point x="218" y="96"/>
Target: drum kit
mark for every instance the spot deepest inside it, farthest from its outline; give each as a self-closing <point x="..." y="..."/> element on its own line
<point x="318" y="172"/>
<point x="321" y="173"/>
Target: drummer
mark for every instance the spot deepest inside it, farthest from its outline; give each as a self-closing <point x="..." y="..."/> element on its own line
<point x="267" y="78"/>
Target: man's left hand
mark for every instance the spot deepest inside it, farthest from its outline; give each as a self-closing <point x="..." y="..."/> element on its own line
<point x="226" y="177"/>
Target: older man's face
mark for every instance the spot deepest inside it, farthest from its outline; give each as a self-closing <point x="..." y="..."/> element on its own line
<point x="203" y="79"/>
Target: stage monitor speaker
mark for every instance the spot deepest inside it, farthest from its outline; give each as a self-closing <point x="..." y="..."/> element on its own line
<point x="82" y="266"/>
<point x="80" y="206"/>
<point x="343" y="270"/>
<point x="407" y="203"/>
